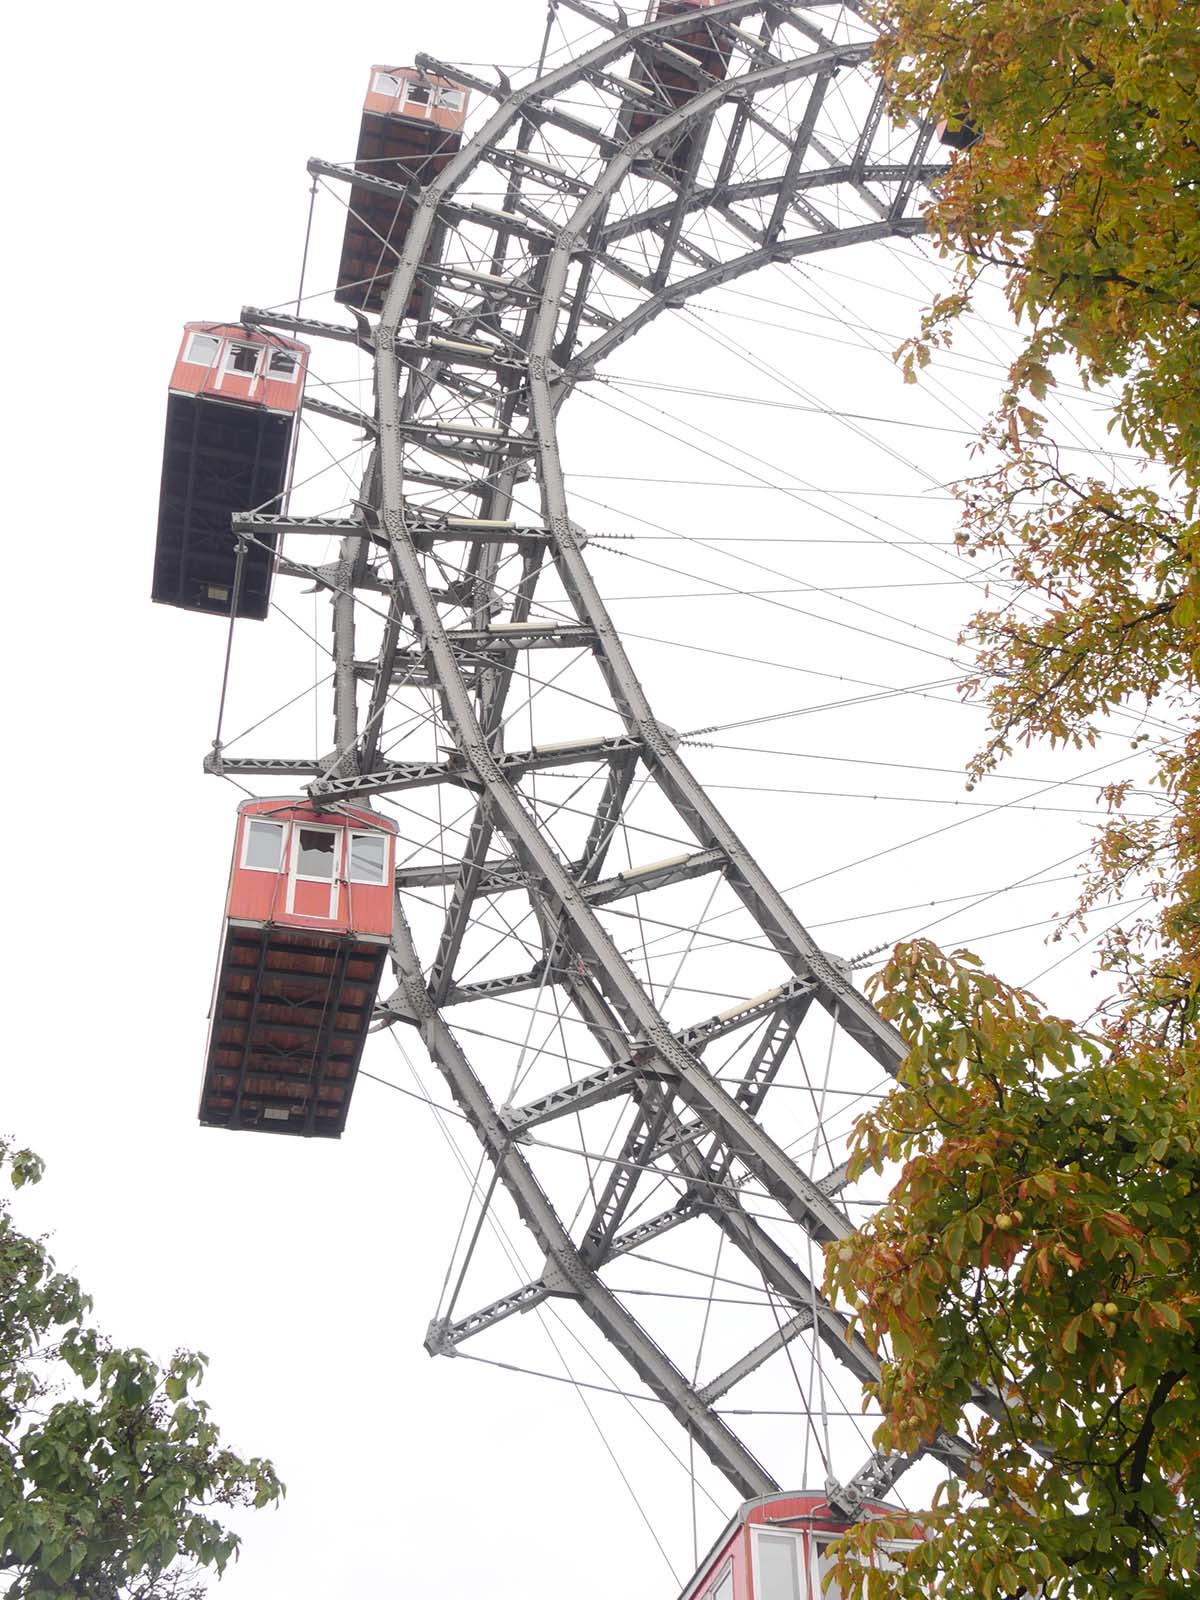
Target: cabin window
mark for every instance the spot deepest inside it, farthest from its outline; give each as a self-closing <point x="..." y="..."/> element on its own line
<point x="822" y="1566"/>
<point x="202" y="350"/>
<point x="777" y="1558"/>
<point x="883" y="1559"/>
<point x="283" y="365"/>
<point x="450" y="99"/>
<point x="723" y="1588"/>
<point x="316" y="849"/>
<point x="418" y="94"/>
<point x="387" y="83"/>
<point x="242" y="358"/>
<point x="368" y="858"/>
<point x="263" y="848"/>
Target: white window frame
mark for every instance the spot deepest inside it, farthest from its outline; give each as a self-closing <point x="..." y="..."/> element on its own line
<point x="443" y="104"/>
<point x="816" y="1548"/>
<point x="283" y="377"/>
<point x="230" y="371"/>
<point x="334" y="881"/>
<point x="800" y="1565"/>
<point x="192" y="360"/>
<point x="726" y="1576"/>
<point x="245" y="863"/>
<point x="366" y="833"/>
<point x="882" y="1559"/>
<point x="315" y="827"/>
<point x="425" y="107"/>
<point x="392" y="77"/>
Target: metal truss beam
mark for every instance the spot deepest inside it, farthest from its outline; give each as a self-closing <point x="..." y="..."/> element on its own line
<point x="514" y="764"/>
<point x="501" y="875"/>
<point x="661" y="1377"/>
<point x="644" y="1062"/>
<point x="659" y="1052"/>
<point x="478" y="383"/>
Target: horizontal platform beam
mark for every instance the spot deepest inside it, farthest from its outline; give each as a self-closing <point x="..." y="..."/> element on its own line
<point x="453" y="352"/>
<point x="335" y="413"/>
<point x="657" y="875"/>
<point x="483" y="647"/>
<point x="443" y="436"/>
<point x="494" y="988"/>
<point x="501" y="875"/>
<point x="513" y="763"/>
<point x="317" y="527"/>
<point x="340" y="173"/>
<point x="619" y="1077"/>
<point x="443" y="1335"/>
<point x="255" y="317"/>
<point x="221" y="765"/>
<point x="606" y="1083"/>
<point x="753" y="1359"/>
<point x="458" y="213"/>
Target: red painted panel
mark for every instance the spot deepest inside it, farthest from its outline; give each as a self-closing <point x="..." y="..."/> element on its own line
<point x="261" y="895"/>
<point x="732" y="1546"/>
<point x="291" y="1013"/>
<point x="678" y="8"/>
<point x="806" y="1514"/>
<point x="209" y="373"/>
<point x="386" y="97"/>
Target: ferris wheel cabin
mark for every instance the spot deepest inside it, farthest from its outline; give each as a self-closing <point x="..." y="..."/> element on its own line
<point x="672" y="71"/>
<point x="959" y="132"/>
<point x="307" y="928"/>
<point x="231" y="421"/>
<point x="777" y="1548"/>
<point x="411" y="128"/>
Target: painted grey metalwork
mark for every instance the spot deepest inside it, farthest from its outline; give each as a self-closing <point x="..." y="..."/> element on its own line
<point x="549" y="240"/>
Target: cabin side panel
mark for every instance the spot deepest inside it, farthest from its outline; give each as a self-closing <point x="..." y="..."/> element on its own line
<point x="218" y="459"/>
<point x="229" y="362"/>
<point x="295" y="866"/>
<point x="289" y="1023"/>
<point x="407" y="137"/>
<point x="677" y="69"/>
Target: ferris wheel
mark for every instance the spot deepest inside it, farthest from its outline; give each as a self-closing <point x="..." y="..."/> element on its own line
<point x="503" y="856"/>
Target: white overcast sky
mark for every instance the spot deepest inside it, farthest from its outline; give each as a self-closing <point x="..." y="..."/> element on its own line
<point x="156" y="175"/>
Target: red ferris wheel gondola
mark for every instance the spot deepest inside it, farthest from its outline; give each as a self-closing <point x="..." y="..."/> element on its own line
<point x="411" y="128"/>
<point x="307" y="926"/>
<point x="673" y="71"/>
<point x="777" y="1548"/>
<point x="231" y="420"/>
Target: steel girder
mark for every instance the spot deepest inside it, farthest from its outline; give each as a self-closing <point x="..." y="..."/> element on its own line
<point x="466" y="404"/>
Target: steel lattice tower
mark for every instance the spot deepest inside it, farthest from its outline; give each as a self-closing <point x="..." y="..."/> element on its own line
<point x="449" y="598"/>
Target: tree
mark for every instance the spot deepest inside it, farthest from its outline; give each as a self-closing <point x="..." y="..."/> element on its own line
<point x="110" y="1467"/>
<point x="1043" y="1234"/>
<point x="1042" y="1241"/>
<point x="1083" y="191"/>
<point x="1083" y="195"/>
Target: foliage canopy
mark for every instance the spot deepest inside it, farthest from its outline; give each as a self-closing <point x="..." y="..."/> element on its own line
<point x="110" y="1467"/>
<point x="1083" y="189"/>
<point x="1042" y="1242"/>
<point x="1044" y="1236"/>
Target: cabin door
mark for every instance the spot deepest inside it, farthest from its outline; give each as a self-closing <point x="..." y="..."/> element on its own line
<point x="314" y="871"/>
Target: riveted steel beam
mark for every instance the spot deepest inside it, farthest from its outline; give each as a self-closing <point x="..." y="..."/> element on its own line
<point x="645" y="1062"/>
<point x="660" y="1375"/>
<point x="515" y="763"/>
<point x="479" y="382"/>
